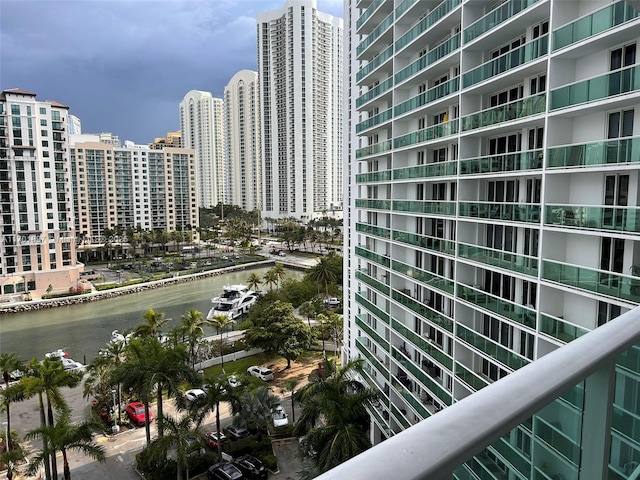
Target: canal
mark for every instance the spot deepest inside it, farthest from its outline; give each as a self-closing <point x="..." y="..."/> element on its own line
<point x="85" y="328"/>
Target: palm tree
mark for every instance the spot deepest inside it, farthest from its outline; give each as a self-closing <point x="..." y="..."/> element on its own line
<point x="307" y="310"/>
<point x="152" y="325"/>
<point x="193" y="324"/>
<point x="221" y="321"/>
<point x="102" y="369"/>
<point x="253" y="281"/>
<point x="254" y="407"/>
<point x="270" y="279"/>
<point x="279" y="272"/>
<point x="11" y="457"/>
<point x="63" y="437"/>
<point x="323" y="273"/>
<point x="216" y="393"/>
<point x="290" y="386"/>
<point x="334" y="416"/>
<point x="9" y="362"/>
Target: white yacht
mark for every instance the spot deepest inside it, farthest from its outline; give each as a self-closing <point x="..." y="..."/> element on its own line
<point x="235" y="300"/>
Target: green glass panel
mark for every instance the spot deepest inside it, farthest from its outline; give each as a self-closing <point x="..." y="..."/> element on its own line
<point x="431" y="133"/>
<point x="422" y="344"/>
<point x="431" y="57"/>
<point x="373" y="203"/>
<point x="505" y="62"/>
<point x="422" y="376"/>
<point x="373" y="335"/>
<point x="425" y="206"/>
<point x="375" y="120"/>
<point x="505" y="113"/>
<point x="376" y="311"/>
<point x="498" y="352"/>
<point x="471" y="379"/>
<point x="432" y="17"/>
<point x="423" y="276"/>
<point x="620" y="219"/>
<point x="374" y="257"/>
<point x="431" y="95"/>
<point x="559" y="329"/>
<point x="374" y="92"/>
<point x="614" y="83"/>
<point x="380" y="147"/>
<point x="399" y="416"/>
<point x="375" y="34"/>
<point x="604" y="19"/>
<point x="495" y="17"/>
<point x="504" y="162"/>
<point x="438" y="169"/>
<point x="372" y="282"/>
<point x="367" y="13"/>
<point x="512" y="212"/>
<point x="422" y="310"/>
<point x="375" y="63"/>
<point x="517" y="313"/>
<point x="373" y="230"/>
<point x="380" y="176"/>
<point x="606" y="283"/>
<point x="411" y="400"/>
<point x="425" y="241"/>
<point x="375" y="361"/>
<point x="553" y="435"/>
<point x="498" y="258"/>
<point x="605" y="152"/>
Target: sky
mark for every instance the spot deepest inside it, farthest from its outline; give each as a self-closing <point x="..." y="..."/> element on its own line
<point x="124" y="66"/>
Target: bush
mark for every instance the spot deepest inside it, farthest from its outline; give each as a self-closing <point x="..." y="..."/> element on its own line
<point x="251" y="445"/>
<point x="270" y="461"/>
<point x="47" y="296"/>
<point x="199" y="463"/>
<point x="165" y="470"/>
<point x="285" y="431"/>
<point x="245" y="324"/>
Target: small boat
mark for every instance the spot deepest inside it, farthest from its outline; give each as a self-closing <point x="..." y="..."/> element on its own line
<point x="57" y="354"/>
<point x="234" y="301"/>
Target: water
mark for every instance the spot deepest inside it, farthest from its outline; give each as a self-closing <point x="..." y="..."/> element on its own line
<point x="83" y="329"/>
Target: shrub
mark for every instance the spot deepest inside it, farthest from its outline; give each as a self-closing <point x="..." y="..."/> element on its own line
<point x="152" y="470"/>
<point x="251" y="445"/>
<point x="285" y="431"/>
<point x="245" y="324"/>
<point x="270" y="461"/>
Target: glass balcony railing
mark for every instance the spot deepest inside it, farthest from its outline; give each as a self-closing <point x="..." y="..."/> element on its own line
<point x="560" y="329"/>
<point x="431" y="95"/>
<point x="605" y="152"/>
<point x="372" y="282"/>
<point x="373" y="230"/>
<point x="374" y="149"/>
<point x="611" y="284"/>
<point x="375" y="120"/>
<point x="512" y="212"/>
<point x="422" y="344"/>
<point x="403" y="7"/>
<point x="375" y="34"/>
<point x="370" y="177"/>
<point x="505" y="113"/>
<point x="617" y="219"/>
<point x="372" y="256"/>
<point x="502" y="162"/>
<point x="374" y="63"/>
<point x="605" y="86"/>
<point x="427" y="278"/>
<point x="430" y="19"/>
<point x="422" y="376"/>
<point x="422" y="310"/>
<point x="376" y="311"/>
<point x="495" y="17"/>
<point x="434" y="207"/>
<point x="399" y="416"/>
<point x="438" y="169"/>
<point x="498" y="352"/>
<point x="431" y="133"/>
<point x="366" y="15"/>
<point x="373" y="203"/>
<point x="498" y="258"/>
<point x="373" y="360"/>
<point x="608" y="17"/>
<point x="517" y="313"/>
<point x="426" y="241"/>
<point x="432" y="56"/>
<point x="505" y="62"/>
<point x="374" y="92"/>
<point x="467" y="376"/>
<point x="410" y="399"/>
<point x="373" y="335"/>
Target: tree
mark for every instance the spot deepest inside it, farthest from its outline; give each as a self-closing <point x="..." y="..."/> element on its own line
<point x="254" y="407"/>
<point x="11" y="457"/>
<point x="63" y="437"/>
<point x="253" y="281"/>
<point x="308" y="310"/>
<point x="323" y="273"/>
<point x="221" y="321"/>
<point x="278" y="330"/>
<point x="270" y="278"/>
<point x="334" y="416"/>
<point x="192" y="325"/>
<point x="279" y="272"/>
<point x="290" y="386"/>
<point x="216" y="393"/>
<point x="9" y="362"/>
<point x="152" y="325"/>
<point x="334" y="325"/>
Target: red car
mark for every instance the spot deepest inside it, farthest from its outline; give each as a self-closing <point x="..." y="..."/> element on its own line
<point x="213" y="438"/>
<point x="135" y="411"/>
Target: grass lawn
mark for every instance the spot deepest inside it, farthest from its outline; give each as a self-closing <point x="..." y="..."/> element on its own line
<point x="240" y="366"/>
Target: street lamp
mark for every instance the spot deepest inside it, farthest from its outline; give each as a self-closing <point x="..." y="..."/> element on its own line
<point x="116" y="427"/>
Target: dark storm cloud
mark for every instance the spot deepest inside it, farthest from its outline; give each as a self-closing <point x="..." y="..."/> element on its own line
<point x="124" y="66"/>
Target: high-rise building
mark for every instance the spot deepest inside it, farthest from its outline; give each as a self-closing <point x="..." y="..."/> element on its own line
<point x="493" y="179"/>
<point x="75" y="125"/>
<point x="201" y="127"/>
<point x="37" y="240"/>
<point x="300" y="71"/>
<point x="173" y="139"/>
<point x="131" y="187"/>
<point x="242" y="177"/>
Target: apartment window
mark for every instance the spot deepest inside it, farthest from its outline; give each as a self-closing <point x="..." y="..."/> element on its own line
<point x="538" y="84"/>
<point x="15" y="109"/>
<point x="620" y="124"/>
<point x="623" y="57"/>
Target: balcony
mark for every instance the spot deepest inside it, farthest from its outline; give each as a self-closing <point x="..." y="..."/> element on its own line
<point x="496" y="351"/>
<point x="375" y="34"/>
<point x="429" y="59"/>
<point x="373" y="230"/>
<point x="374" y="310"/>
<point x="422" y="344"/>
<point x="430" y="19"/>
<point x="495" y="17"/>
<point x="374" y="149"/>
<point x="363" y="276"/>
<point x="372" y="256"/>
<point x="511" y="212"/>
<point x="367" y="13"/>
<point x="502" y="162"/>
<point x="410" y="399"/>
<point x="432" y="207"/>
<point x="618" y="82"/>
<point x="617" y="219"/>
<point x="426" y="278"/>
<point x="434" y="93"/>
<point x="475" y="381"/>
<point x="505" y="113"/>
<point x="374" y="92"/>
<point x="515" y="58"/>
<point x="373" y="177"/>
<point x="501" y="259"/>
<point x="429" y="383"/>
<point x="436" y="244"/>
<point x="373" y="335"/>
<point x="559" y="329"/>
<point x="373" y="360"/>
<point x="374" y="63"/>
<point x="505" y="308"/>
<point x="605" y="152"/>
<point x="375" y="120"/>
<point x="373" y="204"/>
<point x="438" y="169"/>
<point x="422" y="310"/>
<point x="440" y="130"/>
<point x="600" y="21"/>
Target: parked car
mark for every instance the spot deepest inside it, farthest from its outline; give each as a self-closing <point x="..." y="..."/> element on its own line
<point x="251" y="467"/>
<point x="332" y="302"/>
<point x="212" y="439"/>
<point x="263" y="373"/>
<point x="135" y="412"/>
<point x="194" y="394"/>
<point x="279" y="417"/>
<point x="224" y="471"/>
<point x="233" y="381"/>
<point x="234" y="432"/>
<point x="282" y="253"/>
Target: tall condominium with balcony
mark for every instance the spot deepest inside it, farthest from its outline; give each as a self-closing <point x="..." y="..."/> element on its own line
<point x="201" y="127"/>
<point x="37" y="242"/>
<point x="131" y="187"/>
<point x="242" y="160"/>
<point x="300" y="71"/>
<point x="493" y="210"/>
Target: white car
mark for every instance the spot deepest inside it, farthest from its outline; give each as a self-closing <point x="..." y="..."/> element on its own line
<point x="194" y="394"/>
<point x="279" y="417"/>
<point x="233" y="381"/>
<point x="263" y="373"/>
